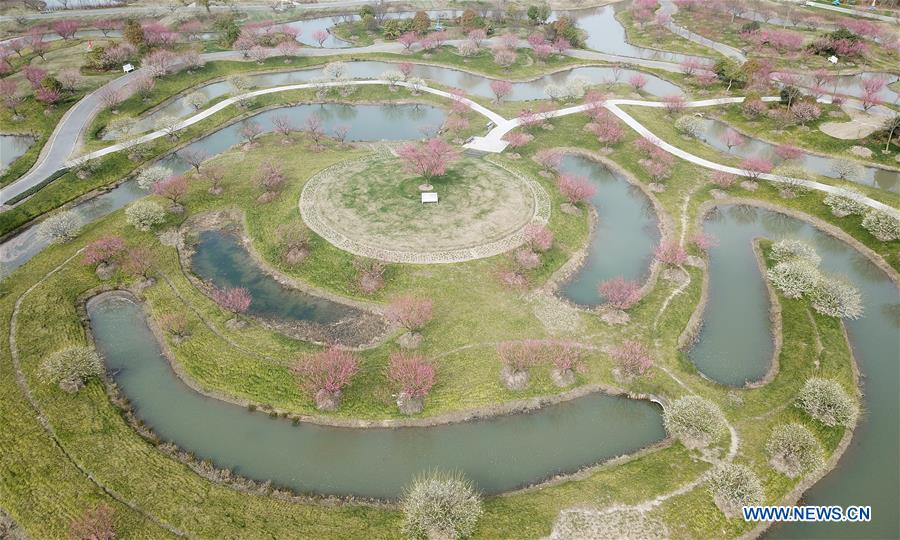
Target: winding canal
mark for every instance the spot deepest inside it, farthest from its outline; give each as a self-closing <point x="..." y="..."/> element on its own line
<point x="498" y="454"/>
<point x="735" y="346"/>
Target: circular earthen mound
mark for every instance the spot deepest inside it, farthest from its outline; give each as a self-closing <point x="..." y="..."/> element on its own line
<point x="371" y="207"/>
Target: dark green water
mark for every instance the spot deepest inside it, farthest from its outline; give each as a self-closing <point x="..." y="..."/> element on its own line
<point x="622" y="242"/>
<point x="222" y="260"/>
<point x="734" y="346"/>
<point x="498" y="454"/>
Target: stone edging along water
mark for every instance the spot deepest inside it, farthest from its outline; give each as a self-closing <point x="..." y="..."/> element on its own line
<point x="516" y="406"/>
<point x="228" y="479"/>
<point x="309" y="211"/>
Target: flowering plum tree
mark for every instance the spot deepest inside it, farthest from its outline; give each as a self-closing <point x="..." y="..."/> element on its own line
<point x="236" y="300"/>
<point x="538" y="237"/>
<point x="517" y="358"/>
<point x="325" y="374"/>
<point x="575" y="189"/>
<point x="567" y="359"/>
<point x="413" y="376"/>
<point x="670" y="252"/>
<point x="501" y="89"/>
<point x="172" y="188"/>
<point x="429" y="159"/>
<point x="632" y="357"/>
<point x="620" y="293"/>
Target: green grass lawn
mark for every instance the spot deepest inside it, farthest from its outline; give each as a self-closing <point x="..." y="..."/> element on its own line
<point x="470" y="307"/>
<point x="719" y="27"/>
<point x="654" y="37"/>
<point x="45" y="482"/>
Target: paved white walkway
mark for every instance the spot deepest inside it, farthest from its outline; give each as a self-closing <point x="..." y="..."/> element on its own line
<point x="612" y="105"/>
<point x="23" y="184"/>
<point x="855" y="12"/>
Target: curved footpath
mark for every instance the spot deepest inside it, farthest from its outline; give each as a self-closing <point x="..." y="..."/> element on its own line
<point x="668" y="7"/>
<point x="855" y="12"/>
<point x="494" y="139"/>
<point x="66" y="137"/>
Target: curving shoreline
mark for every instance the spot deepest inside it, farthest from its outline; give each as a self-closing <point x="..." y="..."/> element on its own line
<point x="664" y="222"/>
<point x="100" y="294"/>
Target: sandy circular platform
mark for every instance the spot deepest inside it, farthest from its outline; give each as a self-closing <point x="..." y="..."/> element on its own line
<point x="370" y="207"/>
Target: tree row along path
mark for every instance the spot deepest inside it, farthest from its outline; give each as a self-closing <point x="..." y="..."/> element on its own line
<point x="495" y="138"/>
<point x="65" y="139"/>
<point x="668" y="7"/>
<point x="194" y="8"/>
<point x="855" y="12"/>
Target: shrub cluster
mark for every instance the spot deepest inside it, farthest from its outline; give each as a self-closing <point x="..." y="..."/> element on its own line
<point x="518" y="357"/>
<point x="836" y="297"/>
<point x="842" y="205"/>
<point x="71" y="367"/>
<point x="882" y="225"/>
<point x="440" y="505"/>
<point x="697" y="422"/>
<point x="793" y="450"/>
<point x="144" y="215"/>
<point x="733" y="487"/>
<point x="797" y="275"/>
<point x="828" y="402"/>
<point x="60" y="227"/>
<point x="788" y="249"/>
<point x="689" y="125"/>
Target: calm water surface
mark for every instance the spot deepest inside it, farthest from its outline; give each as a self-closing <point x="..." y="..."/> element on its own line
<point x="622" y="242"/>
<point x="498" y="454"/>
<point x="734" y="347"/>
<point x="221" y="259"/>
<point x="12" y="147"/>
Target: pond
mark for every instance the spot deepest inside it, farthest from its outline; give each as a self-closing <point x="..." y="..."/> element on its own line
<point x="222" y="260"/>
<point x="623" y="240"/>
<point x="12" y="147"/>
<point x="714" y="130"/>
<point x="366" y="122"/>
<point x="369" y="123"/>
<point x="735" y="346"/>
<point x="19" y="249"/>
<point x="606" y="34"/>
<point x="475" y="85"/>
<point x="498" y="454"/>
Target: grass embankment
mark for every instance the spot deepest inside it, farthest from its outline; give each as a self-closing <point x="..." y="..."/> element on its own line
<point x="35" y="118"/>
<point x="719" y="27"/>
<point x="470" y="307"/>
<point x="810" y="137"/>
<point x="654" y="37"/>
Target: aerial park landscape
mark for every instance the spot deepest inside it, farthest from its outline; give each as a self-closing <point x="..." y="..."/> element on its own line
<point x="438" y="270"/>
